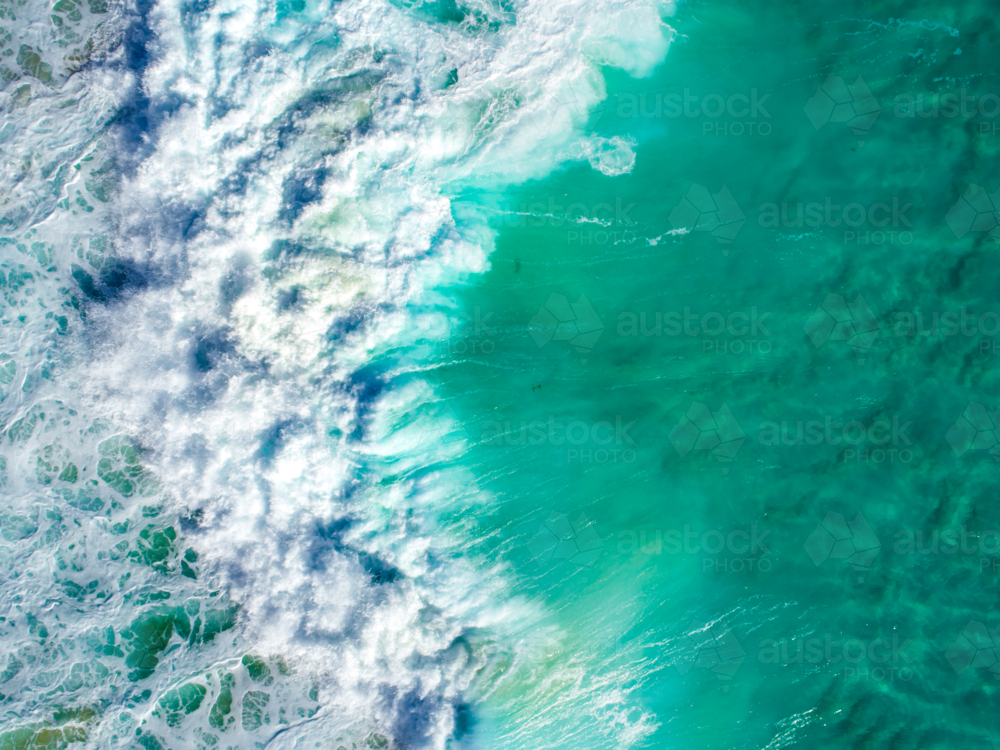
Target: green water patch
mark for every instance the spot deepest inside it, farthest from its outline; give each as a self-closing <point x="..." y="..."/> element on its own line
<point x="151" y="633"/>
<point x="67" y="727"/>
<point x="250" y="697"/>
<point x="179" y="702"/>
<point x="32" y="64"/>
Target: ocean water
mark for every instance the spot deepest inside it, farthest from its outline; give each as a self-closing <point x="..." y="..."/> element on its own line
<point x="482" y="374"/>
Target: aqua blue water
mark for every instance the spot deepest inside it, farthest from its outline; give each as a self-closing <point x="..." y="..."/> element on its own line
<point x="499" y="375"/>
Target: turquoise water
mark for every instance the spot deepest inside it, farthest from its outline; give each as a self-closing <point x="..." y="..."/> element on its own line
<point x="499" y="375"/>
<point x="790" y="681"/>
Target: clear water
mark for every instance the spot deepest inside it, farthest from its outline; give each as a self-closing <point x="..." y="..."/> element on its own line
<point x="489" y="376"/>
<point x="735" y="622"/>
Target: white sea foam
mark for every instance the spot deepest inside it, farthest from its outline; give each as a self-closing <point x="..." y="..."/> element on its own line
<point x="610" y="156"/>
<point x="288" y="207"/>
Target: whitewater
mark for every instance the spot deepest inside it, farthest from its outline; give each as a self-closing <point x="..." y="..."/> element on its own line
<point x="234" y="512"/>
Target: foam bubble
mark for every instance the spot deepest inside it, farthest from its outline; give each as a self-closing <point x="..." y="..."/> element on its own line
<point x="611" y="156"/>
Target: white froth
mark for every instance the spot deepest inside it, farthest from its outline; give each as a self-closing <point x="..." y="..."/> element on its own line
<point x="243" y="365"/>
<point x="610" y="156"/>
